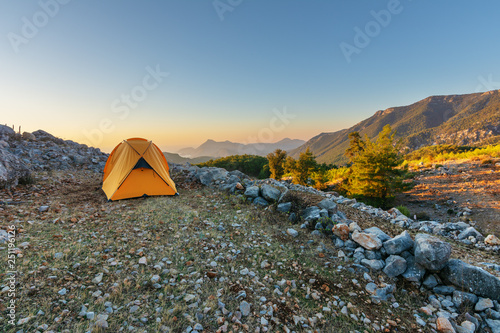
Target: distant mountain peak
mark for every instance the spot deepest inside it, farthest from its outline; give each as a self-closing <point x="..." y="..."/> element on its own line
<point x="218" y="149"/>
<point x="441" y="119"/>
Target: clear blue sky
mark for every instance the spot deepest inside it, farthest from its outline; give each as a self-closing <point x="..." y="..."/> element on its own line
<point x="69" y="68"/>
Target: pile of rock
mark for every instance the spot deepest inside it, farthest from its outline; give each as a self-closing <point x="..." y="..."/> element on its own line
<point x="236" y="181"/>
<point x="21" y="154"/>
<point x="424" y="260"/>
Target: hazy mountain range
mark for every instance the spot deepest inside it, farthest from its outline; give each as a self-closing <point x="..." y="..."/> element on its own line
<point x="215" y="149"/>
<point x="451" y="119"/>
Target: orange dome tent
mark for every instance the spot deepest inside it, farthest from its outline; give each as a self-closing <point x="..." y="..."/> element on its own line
<point x="135" y="168"/>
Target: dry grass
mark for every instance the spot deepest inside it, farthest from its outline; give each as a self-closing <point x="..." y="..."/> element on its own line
<point x="183" y="235"/>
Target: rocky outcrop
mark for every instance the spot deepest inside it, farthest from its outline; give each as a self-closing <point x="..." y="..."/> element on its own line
<point x="12" y="170"/>
<point x="22" y="154"/>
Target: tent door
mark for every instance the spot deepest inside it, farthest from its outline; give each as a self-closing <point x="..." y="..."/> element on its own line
<point x="141" y="163"/>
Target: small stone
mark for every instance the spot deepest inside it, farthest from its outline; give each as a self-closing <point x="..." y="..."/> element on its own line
<point x="483" y="304"/>
<point x="101" y="323"/>
<point x="292" y="232"/>
<point x="468" y="326"/>
<point x="198" y="327"/>
<point x="373" y="264"/>
<point x="245" y="308"/>
<point x="143" y="261"/>
<point x="43" y="209"/>
<point x="371" y="288"/>
<point x="392" y="322"/>
<point x="492" y="240"/>
<point x="263" y="321"/>
<point x="426" y="310"/>
<point x="265" y="264"/>
<point x="62" y="292"/>
<point x="284" y="207"/>
<point x="444" y="325"/>
<point x="98" y="278"/>
<point x="155" y="278"/>
<point x="244" y="271"/>
<point x="90" y="315"/>
<point x="23" y="320"/>
<point x="134" y="309"/>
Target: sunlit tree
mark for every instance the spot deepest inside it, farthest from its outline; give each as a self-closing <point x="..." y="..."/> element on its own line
<point x="277" y="163"/>
<point x="374" y="172"/>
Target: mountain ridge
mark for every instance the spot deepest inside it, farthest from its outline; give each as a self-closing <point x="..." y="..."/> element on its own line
<point x="439" y="119"/>
<point x="225" y="148"/>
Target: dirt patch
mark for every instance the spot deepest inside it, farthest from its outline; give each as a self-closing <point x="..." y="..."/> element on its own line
<point x="443" y="192"/>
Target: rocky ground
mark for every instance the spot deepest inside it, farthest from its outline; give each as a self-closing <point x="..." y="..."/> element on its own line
<point x="205" y="261"/>
<point x="458" y="191"/>
<point x="230" y="254"/>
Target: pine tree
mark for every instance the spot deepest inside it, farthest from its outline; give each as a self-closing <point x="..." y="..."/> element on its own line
<point x="356" y="145"/>
<point x="277" y="163"/>
<point x="304" y="166"/>
<point x="374" y="173"/>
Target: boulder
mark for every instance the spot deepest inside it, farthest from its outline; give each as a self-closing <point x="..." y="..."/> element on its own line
<point x="470" y="231"/>
<point x="430" y="252"/>
<point x="311" y="213"/>
<point x="444" y="290"/>
<point x="473" y="279"/>
<point x="398" y="244"/>
<point x="341" y="230"/>
<point x="270" y="193"/>
<point x="209" y="175"/>
<point x="284" y="207"/>
<point x="373" y="264"/>
<point x="329" y="205"/>
<point x="44" y="136"/>
<point x="462" y="298"/>
<point x="379" y="233"/>
<point x="430" y="281"/>
<point x="6" y="131"/>
<point x="394" y="266"/>
<point x="366" y="240"/>
<point x="414" y="272"/>
<point x="260" y="201"/>
<point x="12" y="169"/>
<point x="252" y="191"/>
<point x="29" y="136"/>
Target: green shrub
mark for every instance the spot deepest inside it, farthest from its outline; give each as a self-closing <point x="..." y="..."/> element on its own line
<point x="252" y="165"/>
<point x="404" y="210"/>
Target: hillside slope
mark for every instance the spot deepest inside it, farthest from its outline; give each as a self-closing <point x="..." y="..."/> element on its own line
<point x="451" y="119"/>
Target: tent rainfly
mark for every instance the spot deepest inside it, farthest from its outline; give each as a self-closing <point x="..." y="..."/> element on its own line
<point x="136" y="168"/>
